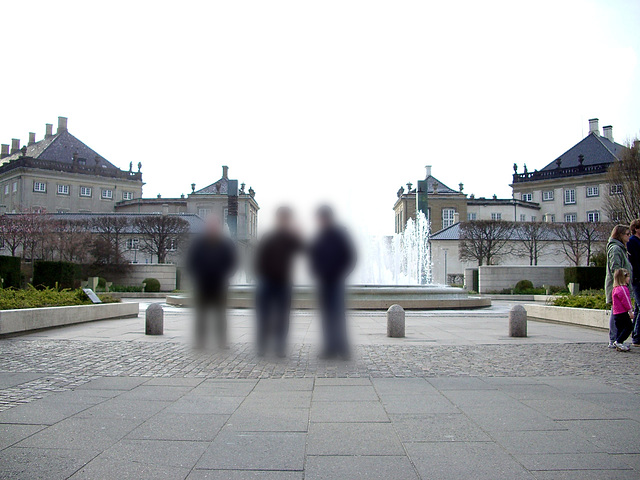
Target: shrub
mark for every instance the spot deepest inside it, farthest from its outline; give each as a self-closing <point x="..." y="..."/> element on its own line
<point x="151" y="285"/>
<point x="125" y="288"/>
<point x="522" y="286"/>
<point x="102" y="282"/>
<point x="587" y="299"/>
<point x="10" y="271"/>
<point x="587" y="277"/>
<point x="46" y="297"/>
<point x="55" y="274"/>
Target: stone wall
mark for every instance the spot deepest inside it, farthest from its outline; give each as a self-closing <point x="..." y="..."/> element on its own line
<point x="165" y="273"/>
<point x="494" y="278"/>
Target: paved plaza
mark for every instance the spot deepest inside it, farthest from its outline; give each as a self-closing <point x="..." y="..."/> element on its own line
<point x="456" y="398"/>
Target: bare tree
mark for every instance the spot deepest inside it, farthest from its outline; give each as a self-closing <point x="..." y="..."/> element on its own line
<point x="161" y="234"/>
<point x="109" y="231"/>
<point x="485" y="241"/>
<point x="593" y="234"/>
<point x="71" y="239"/>
<point x="571" y="241"/>
<point x="33" y="230"/>
<point x="534" y="238"/>
<point x="622" y="204"/>
<point x="12" y="233"/>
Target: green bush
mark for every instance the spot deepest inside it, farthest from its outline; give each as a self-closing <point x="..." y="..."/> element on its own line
<point x="46" y="297"/>
<point x="10" y="271"/>
<point x="151" y="285"/>
<point x="56" y="274"/>
<point x="587" y="299"/>
<point x="102" y="282"/>
<point x="556" y="289"/>
<point x="587" y="277"/>
<point x="522" y="286"/>
<point x="125" y="288"/>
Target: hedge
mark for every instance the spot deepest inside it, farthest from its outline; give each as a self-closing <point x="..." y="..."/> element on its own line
<point x="10" y="271"/>
<point x="589" y="299"/>
<point x="589" y="278"/>
<point x="47" y="297"/>
<point x="55" y="274"/>
<point x="151" y="285"/>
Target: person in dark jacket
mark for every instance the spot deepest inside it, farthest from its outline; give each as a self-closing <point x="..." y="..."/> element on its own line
<point x="274" y="263"/>
<point x="633" y="247"/>
<point x="211" y="262"/>
<point x="616" y="258"/>
<point x="332" y="257"/>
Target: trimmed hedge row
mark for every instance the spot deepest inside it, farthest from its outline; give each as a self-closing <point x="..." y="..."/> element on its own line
<point x="10" y="271"/>
<point x="46" y="297"/>
<point x="52" y="274"/>
<point x="589" y="278"/>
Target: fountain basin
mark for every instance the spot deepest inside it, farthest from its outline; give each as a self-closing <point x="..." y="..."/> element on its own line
<point x="362" y="297"/>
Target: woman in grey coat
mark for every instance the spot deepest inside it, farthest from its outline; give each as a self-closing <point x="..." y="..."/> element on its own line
<point x="616" y="258"/>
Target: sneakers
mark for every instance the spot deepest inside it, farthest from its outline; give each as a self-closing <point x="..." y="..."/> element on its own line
<point x="621" y="347"/>
<point x="634" y="344"/>
<point x="611" y="345"/>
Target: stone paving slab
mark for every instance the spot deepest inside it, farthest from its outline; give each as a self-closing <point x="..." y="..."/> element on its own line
<point x="360" y="468"/>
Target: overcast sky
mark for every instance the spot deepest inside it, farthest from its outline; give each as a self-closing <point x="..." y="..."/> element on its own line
<point x="329" y="100"/>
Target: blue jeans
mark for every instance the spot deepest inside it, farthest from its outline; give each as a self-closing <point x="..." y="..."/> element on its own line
<point x="635" y="291"/>
<point x="334" y="318"/>
<point x="273" y="308"/>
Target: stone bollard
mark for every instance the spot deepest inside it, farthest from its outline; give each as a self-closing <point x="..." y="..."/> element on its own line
<point x="395" y="321"/>
<point x="517" y="321"/>
<point x="154" y="319"/>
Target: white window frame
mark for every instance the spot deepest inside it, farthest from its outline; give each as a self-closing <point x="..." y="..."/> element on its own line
<point x="471" y="216"/>
<point x="133" y="244"/>
<point x="496" y="216"/>
<point x="106" y="194"/>
<point x="448" y="216"/>
<point x="569" y="196"/>
<point x="615" y="189"/>
<point x="593" y="191"/>
<point x="593" y="216"/>
<point x="63" y="189"/>
<point x="570" y="218"/>
<point x="127" y="195"/>
<point x="527" y="197"/>
<point x="523" y="217"/>
<point x="15" y="187"/>
<point x="533" y="218"/>
<point x="6" y="189"/>
<point x="85" y="191"/>
<point x="547" y="195"/>
<point x="203" y="212"/>
<point x="39" y="187"/>
<point x="172" y="245"/>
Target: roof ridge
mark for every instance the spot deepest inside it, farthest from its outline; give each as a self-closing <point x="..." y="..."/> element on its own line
<point x="607" y="148"/>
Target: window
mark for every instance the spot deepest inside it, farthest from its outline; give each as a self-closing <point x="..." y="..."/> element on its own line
<point x="616" y="217"/>
<point x="523" y="217"/>
<point x="569" y="196"/>
<point x="496" y="216"/>
<point x="570" y="217"/>
<point x="527" y="197"/>
<point x="6" y="189"/>
<point x="593" y="191"/>
<point x="127" y="195"/>
<point x="472" y="216"/>
<point x="40" y="187"/>
<point x="85" y="191"/>
<point x="226" y="215"/>
<point x="533" y="218"/>
<point x="107" y="193"/>
<point x="63" y="189"/>
<point x="62" y="210"/>
<point x="203" y="212"/>
<point x="593" y="216"/>
<point x="447" y="217"/>
<point x="550" y="218"/>
<point x="616" y="189"/>
<point x="133" y="243"/>
<point x="172" y="245"/>
<point x="15" y="187"/>
<point x="547" y="195"/>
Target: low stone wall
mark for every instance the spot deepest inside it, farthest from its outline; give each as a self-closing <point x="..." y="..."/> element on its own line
<point x="165" y="273"/>
<point x="576" y="316"/>
<point x="494" y="278"/>
<point x="27" y="319"/>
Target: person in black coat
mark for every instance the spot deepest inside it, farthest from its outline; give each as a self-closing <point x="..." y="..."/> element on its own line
<point x="274" y="263"/>
<point x="332" y="257"/>
<point x="211" y="262"/>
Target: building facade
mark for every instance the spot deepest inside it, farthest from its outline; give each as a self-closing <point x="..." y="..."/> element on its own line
<point x="573" y="187"/>
<point x="60" y="174"/>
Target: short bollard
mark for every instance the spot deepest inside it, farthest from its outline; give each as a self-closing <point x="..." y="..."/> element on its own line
<point x="154" y="319"/>
<point x="395" y="321"/>
<point x="517" y="321"/>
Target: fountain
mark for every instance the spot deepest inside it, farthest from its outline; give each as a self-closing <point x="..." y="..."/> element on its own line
<point x="391" y="270"/>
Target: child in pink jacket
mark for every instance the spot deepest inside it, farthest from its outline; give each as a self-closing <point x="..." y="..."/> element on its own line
<point x="622" y="309"/>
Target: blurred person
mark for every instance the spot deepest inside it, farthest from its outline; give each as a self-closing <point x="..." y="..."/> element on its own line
<point x="211" y="262"/>
<point x="633" y="247"/>
<point x="621" y="308"/>
<point x="616" y="259"/>
<point x="275" y="257"/>
<point x="332" y="259"/>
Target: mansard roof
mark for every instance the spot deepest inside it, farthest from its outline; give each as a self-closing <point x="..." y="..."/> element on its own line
<point x="61" y="148"/>
<point x="594" y="149"/>
<point x="221" y="187"/>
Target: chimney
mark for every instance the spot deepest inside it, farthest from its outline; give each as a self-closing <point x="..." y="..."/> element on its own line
<point x="32" y="138"/>
<point x="15" y="145"/>
<point x="5" y="151"/>
<point x="428" y="167"/>
<point x="225" y="171"/>
<point x="62" y="124"/>
<point x="49" y="132"/>
<point x="456" y="217"/>
<point x="593" y="126"/>
<point x="608" y="132"/>
<point x="165" y="209"/>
